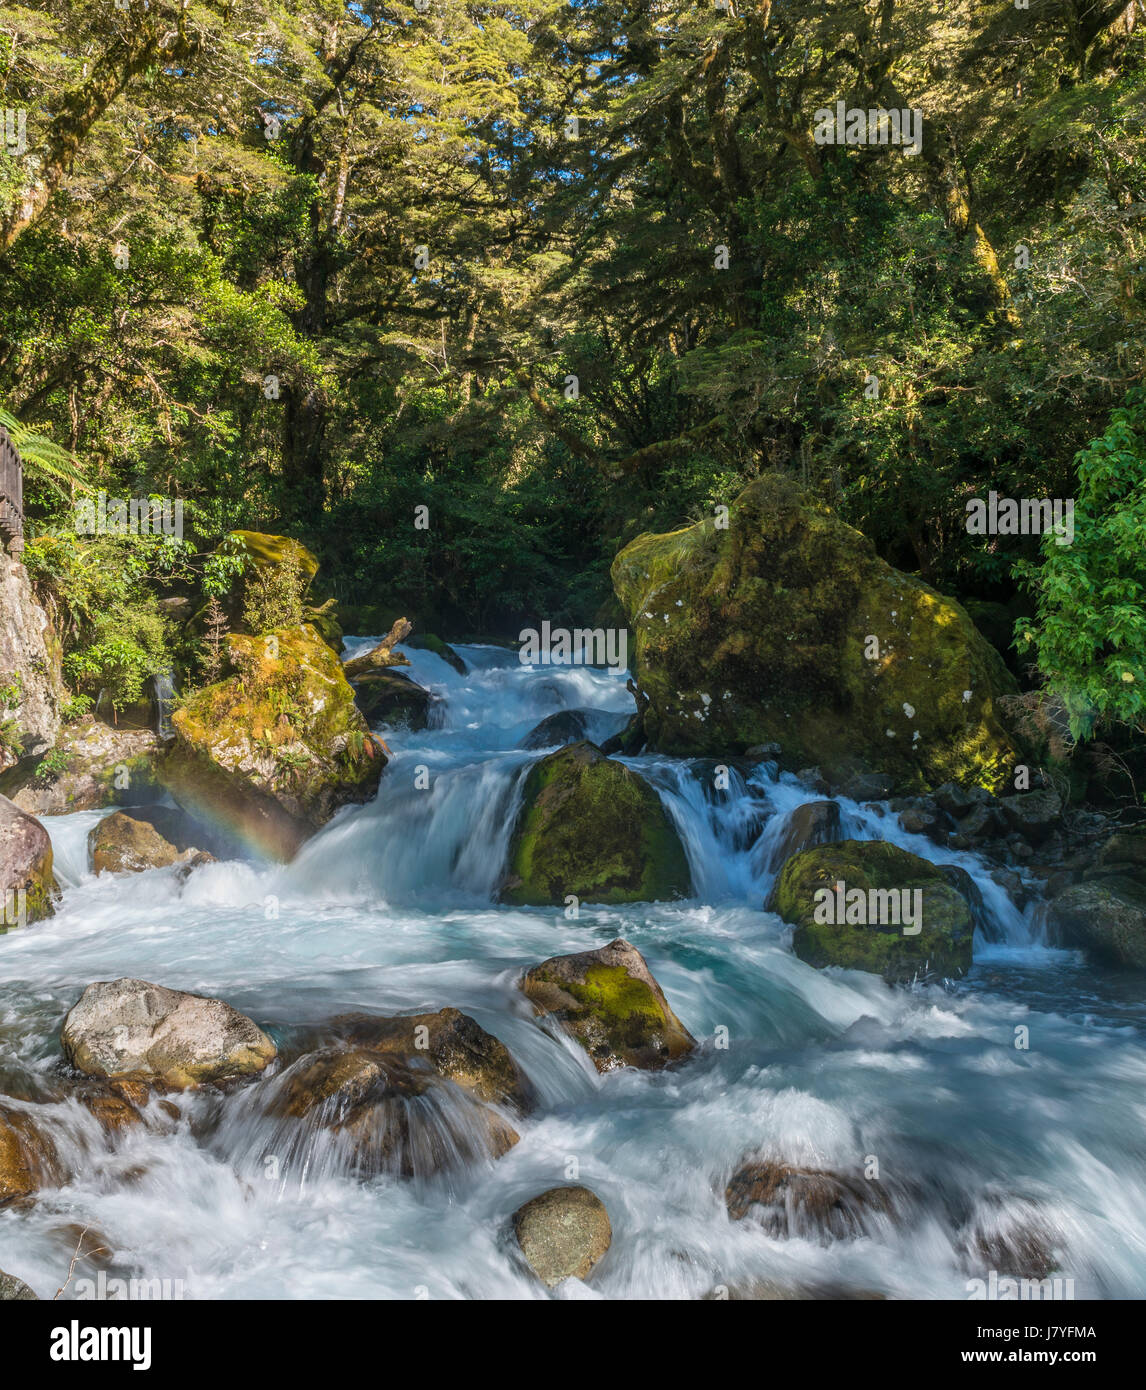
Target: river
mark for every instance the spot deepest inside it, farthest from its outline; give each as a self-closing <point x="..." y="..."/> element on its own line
<point x="391" y="908"/>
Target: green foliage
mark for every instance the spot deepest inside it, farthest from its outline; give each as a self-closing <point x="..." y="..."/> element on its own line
<point x="11" y="740"/>
<point x="273" y="593"/>
<point x="1089" y="633"/>
<point x="102" y="592"/>
<point x="43" y="459"/>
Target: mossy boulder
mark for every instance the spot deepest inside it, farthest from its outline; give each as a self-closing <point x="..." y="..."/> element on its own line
<point x="1106" y="916"/>
<point x="91" y="766"/>
<point x="766" y="631"/>
<point x="882" y="944"/>
<point x="427" y="641"/>
<point x="27" y="884"/>
<point x="388" y="697"/>
<point x="266" y="551"/>
<point x="609" y="1002"/>
<point x="151" y="837"/>
<point x="272" y="752"/>
<point x="591" y="827"/>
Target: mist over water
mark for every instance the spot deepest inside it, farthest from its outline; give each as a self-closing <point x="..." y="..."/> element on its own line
<point x="392" y="908"/>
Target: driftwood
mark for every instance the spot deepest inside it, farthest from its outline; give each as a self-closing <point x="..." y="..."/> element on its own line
<point x="381" y="655"/>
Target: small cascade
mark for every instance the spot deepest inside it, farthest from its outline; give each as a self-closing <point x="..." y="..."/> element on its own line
<point x="163" y="697"/>
<point x="393" y="908"/>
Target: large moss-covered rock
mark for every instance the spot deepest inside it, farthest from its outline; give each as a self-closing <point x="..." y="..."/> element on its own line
<point x="941" y="948"/>
<point x="272" y="752"/>
<point x="91" y="766"/>
<point x="133" y="1029"/>
<point x="610" y="1003"/>
<point x="1106" y="915"/>
<point x="265" y="553"/>
<point x="592" y="828"/>
<point x="763" y="632"/>
<point x="27" y="884"/>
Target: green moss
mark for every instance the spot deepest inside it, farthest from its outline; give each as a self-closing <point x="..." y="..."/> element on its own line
<point x="759" y="634"/>
<point x="942" y="947"/>
<point x="611" y="991"/>
<point x="592" y="828"/>
<point x="274" y="750"/>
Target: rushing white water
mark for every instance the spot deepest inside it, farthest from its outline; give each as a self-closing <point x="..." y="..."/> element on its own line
<point x="392" y="908"/>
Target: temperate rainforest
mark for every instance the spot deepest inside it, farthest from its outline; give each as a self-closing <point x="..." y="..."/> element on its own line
<point x="573" y="661"/>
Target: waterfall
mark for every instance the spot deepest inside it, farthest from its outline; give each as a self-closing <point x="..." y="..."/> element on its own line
<point x="163" y="694"/>
<point x="392" y="908"/>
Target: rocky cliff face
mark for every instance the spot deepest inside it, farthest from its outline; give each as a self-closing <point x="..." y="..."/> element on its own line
<point x="31" y="685"/>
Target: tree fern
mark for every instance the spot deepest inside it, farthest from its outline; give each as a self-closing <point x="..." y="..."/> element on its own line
<point x="44" y="459"/>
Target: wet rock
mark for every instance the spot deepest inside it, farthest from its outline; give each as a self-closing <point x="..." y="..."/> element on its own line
<point x="389" y="697"/>
<point x="14" y="1290"/>
<point x="272" y="752"/>
<point x="1010" y="1236"/>
<point x="968" y="889"/>
<point x="959" y="801"/>
<point x="813" y="823"/>
<point x="566" y="726"/>
<point x="814" y="779"/>
<point x="563" y="1233"/>
<point x="804" y="1202"/>
<point x="592" y="828"/>
<point x="921" y="816"/>
<point x="387" y="1115"/>
<point x="149" y="837"/>
<point x="130" y="1028"/>
<point x="768" y="640"/>
<point x="1124" y="852"/>
<point x="1106" y="916"/>
<point x="456" y="1046"/>
<point x="980" y="823"/>
<point x="426" y="641"/>
<point x="198" y="860"/>
<point x="93" y="766"/>
<point x="1014" y="887"/>
<point x="610" y="1003"/>
<point x="1033" y="815"/>
<point x="28" y="1159"/>
<point x="867" y="786"/>
<point x="27" y="884"/>
<point x="117" y="1105"/>
<point x="764" y="752"/>
<point x="881" y="873"/>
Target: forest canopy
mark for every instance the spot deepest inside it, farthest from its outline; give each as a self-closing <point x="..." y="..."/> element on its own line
<point x="561" y="273"/>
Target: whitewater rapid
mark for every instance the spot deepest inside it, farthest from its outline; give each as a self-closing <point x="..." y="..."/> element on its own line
<point x="392" y="908"/>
